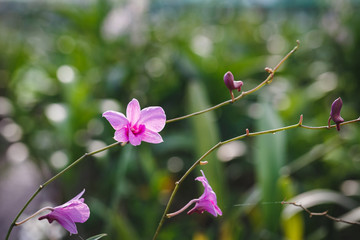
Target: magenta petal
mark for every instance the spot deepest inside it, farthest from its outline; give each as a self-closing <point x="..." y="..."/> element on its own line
<point x="151" y="137"/>
<point x="204" y="205"/>
<point x="67" y="223"/>
<point x="74" y="199"/>
<point x="116" y="119"/>
<point x="77" y="197"/>
<point x="133" y="111"/>
<point x="63" y="219"/>
<point x="122" y="135"/>
<point x="237" y="85"/>
<point x="78" y="212"/>
<point x="135" y="140"/>
<point x="153" y="118"/>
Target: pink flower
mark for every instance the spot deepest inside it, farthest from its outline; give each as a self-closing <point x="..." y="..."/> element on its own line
<point x="231" y="84"/>
<point x="138" y="125"/>
<point x="206" y="202"/>
<point x="335" y="113"/>
<point x="69" y="213"/>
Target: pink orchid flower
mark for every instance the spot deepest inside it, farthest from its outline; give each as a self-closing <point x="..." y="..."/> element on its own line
<point x="206" y="202"/>
<point x="69" y="213"/>
<point x="138" y="125"/>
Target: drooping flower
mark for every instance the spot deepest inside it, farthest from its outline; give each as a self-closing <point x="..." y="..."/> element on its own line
<point x="206" y="202"/>
<point x="138" y="125"/>
<point x="69" y="213"/>
<point x="231" y="84"/>
<point x="335" y="113"/>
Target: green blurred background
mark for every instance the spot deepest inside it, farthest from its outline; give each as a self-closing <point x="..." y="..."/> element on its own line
<point x="63" y="63"/>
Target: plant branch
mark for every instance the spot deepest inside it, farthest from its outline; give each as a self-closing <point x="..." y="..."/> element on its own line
<point x="325" y="214"/>
<point x="52" y="179"/>
<point x="247" y="134"/>
<point x="243" y="94"/>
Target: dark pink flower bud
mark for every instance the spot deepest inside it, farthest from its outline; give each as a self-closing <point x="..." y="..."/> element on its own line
<point x="231" y="84"/>
<point x="335" y="113"/>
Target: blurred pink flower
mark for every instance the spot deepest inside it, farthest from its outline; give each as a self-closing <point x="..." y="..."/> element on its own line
<point x="138" y="125"/>
<point x="206" y="202"/>
<point x="335" y="113"/>
<point x="69" y="213"/>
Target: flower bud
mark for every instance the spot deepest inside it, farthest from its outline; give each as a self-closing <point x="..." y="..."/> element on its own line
<point x="335" y="113"/>
<point x="231" y="84"/>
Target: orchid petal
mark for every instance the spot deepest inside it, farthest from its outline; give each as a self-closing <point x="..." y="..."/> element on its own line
<point x="133" y="111"/>
<point x="66" y="222"/>
<point x="153" y="118"/>
<point x="74" y="199"/>
<point x="122" y="135"/>
<point x="63" y="219"/>
<point x="204" y="205"/>
<point x="151" y="137"/>
<point x="116" y="119"/>
<point x="78" y="213"/>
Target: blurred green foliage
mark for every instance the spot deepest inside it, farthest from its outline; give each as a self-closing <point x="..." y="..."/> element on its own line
<point x="63" y="64"/>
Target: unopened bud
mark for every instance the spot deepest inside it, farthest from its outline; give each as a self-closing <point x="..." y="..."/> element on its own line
<point x="335" y="113"/>
<point x="230" y="83"/>
<point x="269" y="70"/>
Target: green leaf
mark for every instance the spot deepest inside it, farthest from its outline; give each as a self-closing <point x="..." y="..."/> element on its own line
<point x="206" y="135"/>
<point x="96" y="237"/>
<point x="270" y="156"/>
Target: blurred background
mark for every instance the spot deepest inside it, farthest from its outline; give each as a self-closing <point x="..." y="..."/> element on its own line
<point x="63" y="63"/>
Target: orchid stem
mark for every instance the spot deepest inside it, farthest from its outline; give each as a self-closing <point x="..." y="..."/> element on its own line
<point x="247" y="134"/>
<point x="13" y="224"/>
<point x="243" y="94"/>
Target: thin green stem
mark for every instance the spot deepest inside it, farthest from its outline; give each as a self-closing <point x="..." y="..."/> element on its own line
<point x="52" y="179"/>
<point x="243" y="94"/>
<point x="247" y="134"/>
